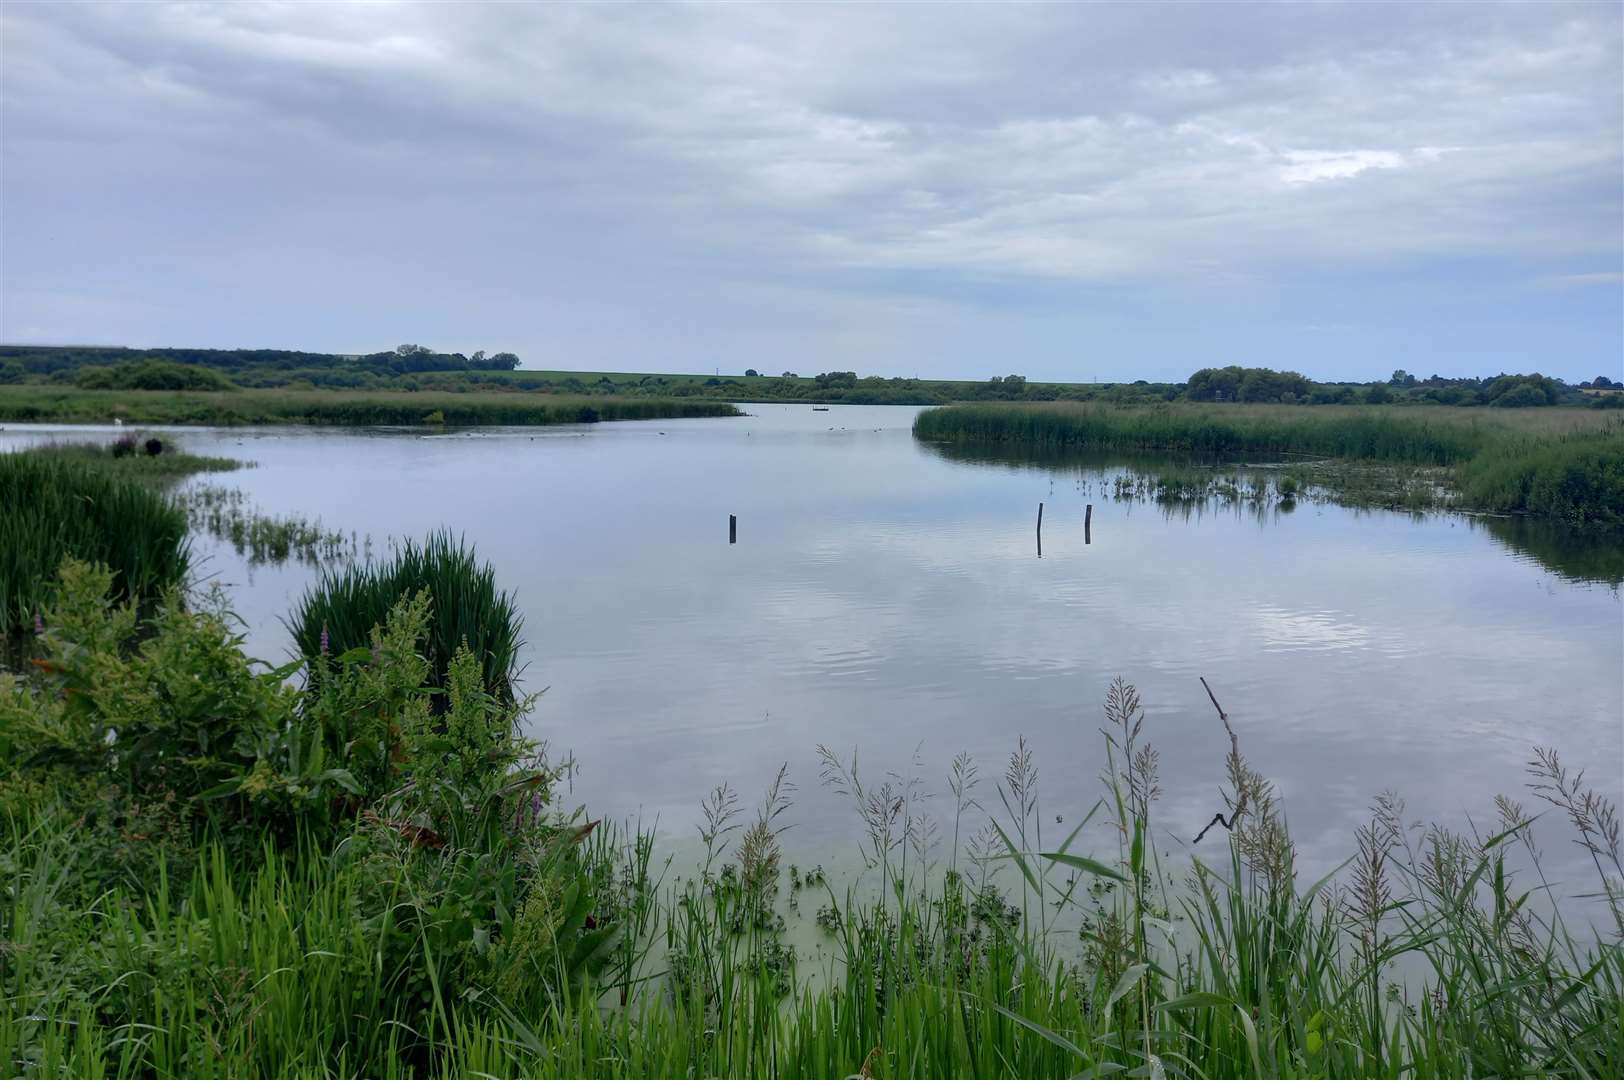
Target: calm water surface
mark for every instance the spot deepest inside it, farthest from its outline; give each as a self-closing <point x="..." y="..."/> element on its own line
<point x="886" y="598"/>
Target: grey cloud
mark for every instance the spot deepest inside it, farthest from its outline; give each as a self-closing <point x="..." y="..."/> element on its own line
<point x="528" y="148"/>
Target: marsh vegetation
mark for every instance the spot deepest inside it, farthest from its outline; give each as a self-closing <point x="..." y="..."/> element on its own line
<point x="335" y="408"/>
<point x="216" y="872"/>
<point x="1566" y="465"/>
<point x="227" y="515"/>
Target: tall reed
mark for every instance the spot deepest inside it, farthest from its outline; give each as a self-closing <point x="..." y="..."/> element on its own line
<point x="338" y="612"/>
<point x="1566" y="464"/>
<point x="55" y="507"/>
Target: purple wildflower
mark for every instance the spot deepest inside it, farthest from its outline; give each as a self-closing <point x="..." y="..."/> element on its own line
<point x="324" y="641"/>
<point x="39" y="625"/>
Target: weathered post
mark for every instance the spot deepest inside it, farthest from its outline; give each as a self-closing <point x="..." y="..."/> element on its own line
<point x="1040" y="530"/>
<point x="1088" y="524"/>
<point x="732" y="528"/>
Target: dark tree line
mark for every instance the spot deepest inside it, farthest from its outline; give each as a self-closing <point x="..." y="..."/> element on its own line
<point x="49" y="359"/>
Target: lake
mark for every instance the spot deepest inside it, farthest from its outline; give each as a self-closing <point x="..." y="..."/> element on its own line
<point x="887" y="597"/>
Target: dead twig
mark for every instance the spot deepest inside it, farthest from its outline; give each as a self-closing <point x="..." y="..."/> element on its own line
<point x="1236" y="772"/>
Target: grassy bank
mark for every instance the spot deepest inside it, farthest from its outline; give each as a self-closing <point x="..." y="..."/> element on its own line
<point x="1564" y="464"/>
<point x="211" y="872"/>
<point x="335" y="407"/>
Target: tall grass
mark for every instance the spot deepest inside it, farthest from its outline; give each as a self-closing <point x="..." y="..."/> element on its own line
<point x="1566" y="464"/>
<point x="338" y="612"/>
<point x="1424" y="958"/>
<point x="55" y="506"/>
<point x="339" y="407"/>
<point x="170" y="465"/>
<point x="1577" y="479"/>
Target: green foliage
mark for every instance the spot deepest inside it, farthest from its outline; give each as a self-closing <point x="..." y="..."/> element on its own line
<point x="327" y="407"/>
<point x="57" y="507"/>
<point x="225" y="514"/>
<point x="152" y="375"/>
<point x="1563" y="464"/>
<point x="244" y="878"/>
<point x="125" y="458"/>
<point x="1247" y="384"/>
<point x="468" y="608"/>
<point x="415" y="368"/>
<point x="451" y="936"/>
<point x="1578" y="479"/>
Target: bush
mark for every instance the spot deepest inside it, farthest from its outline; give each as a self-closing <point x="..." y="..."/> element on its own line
<point x="152" y="375"/>
<point x="1523" y="396"/>
<point x="369" y="864"/>
<point x="57" y="508"/>
<point x="338" y="613"/>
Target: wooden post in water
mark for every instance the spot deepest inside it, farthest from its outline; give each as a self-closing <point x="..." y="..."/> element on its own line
<point x="732" y="528"/>
<point x="1088" y="524"/>
<point x="1040" y="530"/>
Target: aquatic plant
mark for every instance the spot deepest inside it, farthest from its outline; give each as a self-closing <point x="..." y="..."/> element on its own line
<point x="1565" y="464"/>
<point x="224" y="513"/>
<point x="58" y="507"/>
<point x="467" y="608"/>
<point x="127" y="457"/>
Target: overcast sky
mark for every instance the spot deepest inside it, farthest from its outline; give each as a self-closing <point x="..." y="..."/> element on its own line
<point x="943" y="190"/>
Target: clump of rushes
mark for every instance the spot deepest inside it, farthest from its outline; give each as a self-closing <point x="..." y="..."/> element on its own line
<point x="467" y="607"/>
<point x="57" y="507"/>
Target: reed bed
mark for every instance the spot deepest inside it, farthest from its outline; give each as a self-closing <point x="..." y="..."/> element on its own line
<point x="340" y="407"/>
<point x="1564" y="464"/>
<point x="57" y="506"/>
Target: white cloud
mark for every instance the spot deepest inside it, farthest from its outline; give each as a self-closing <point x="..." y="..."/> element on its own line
<point x="1309" y="166"/>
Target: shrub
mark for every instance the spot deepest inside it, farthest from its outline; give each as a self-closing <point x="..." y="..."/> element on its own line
<point x="56" y="508"/>
<point x="343" y="607"/>
<point x="152" y="375"/>
<point x="367" y="862"/>
<point x="1522" y="396"/>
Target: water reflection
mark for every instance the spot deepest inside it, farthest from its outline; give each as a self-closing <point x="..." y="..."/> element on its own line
<point x="1570" y="553"/>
